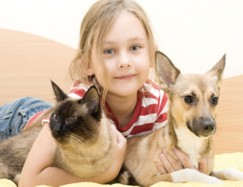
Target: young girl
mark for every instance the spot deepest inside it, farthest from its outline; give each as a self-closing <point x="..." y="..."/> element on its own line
<point x="116" y="53"/>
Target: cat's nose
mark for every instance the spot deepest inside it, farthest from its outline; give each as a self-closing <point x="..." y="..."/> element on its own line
<point x="56" y="129"/>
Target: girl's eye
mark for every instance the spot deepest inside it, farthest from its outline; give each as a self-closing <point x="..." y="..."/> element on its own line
<point x="109" y="51"/>
<point x="135" y="48"/>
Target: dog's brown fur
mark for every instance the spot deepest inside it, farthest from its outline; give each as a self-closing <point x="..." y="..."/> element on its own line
<point x="193" y="103"/>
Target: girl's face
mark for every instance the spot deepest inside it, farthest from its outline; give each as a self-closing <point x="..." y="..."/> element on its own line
<point x="125" y="55"/>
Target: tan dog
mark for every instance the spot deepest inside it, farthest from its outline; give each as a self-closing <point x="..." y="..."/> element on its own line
<point x="193" y="103"/>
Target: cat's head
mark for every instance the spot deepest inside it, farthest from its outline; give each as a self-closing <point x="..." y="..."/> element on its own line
<point x="75" y="119"/>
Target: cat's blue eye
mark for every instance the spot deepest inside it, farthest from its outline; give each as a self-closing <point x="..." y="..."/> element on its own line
<point x="55" y="117"/>
<point x="70" y="120"/>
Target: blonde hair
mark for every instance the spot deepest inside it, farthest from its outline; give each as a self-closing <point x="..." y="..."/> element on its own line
<point x="94" y="27"/>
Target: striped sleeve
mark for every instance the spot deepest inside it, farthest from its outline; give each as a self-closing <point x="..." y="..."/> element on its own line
<point x="152" y="113"/>
<point x="77" y="90"/>
<point x="163" y="104"/>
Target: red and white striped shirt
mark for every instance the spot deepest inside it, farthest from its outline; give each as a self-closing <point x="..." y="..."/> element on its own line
<point x="150" y="112"/>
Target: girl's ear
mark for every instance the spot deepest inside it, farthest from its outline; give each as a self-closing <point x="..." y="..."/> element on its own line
<point x="90" y="70"/>
<point x="152" y="64"/>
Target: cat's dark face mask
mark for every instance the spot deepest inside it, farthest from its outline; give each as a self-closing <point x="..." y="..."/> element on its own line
<point x="76" y="120"/>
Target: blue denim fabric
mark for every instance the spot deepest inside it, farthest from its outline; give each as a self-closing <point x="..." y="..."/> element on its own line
<point x="15" y="115"/>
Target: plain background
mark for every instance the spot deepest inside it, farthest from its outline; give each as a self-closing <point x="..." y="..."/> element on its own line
<point x="193" y="33"/>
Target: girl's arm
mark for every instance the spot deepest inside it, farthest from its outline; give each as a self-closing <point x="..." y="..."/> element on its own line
<point x="178" y="161"/>
<point x="38" y="167"/>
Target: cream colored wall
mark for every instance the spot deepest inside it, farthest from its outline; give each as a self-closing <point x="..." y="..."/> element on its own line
<point x="193" y="33"/>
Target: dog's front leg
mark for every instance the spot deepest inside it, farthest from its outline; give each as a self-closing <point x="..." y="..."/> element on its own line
<point x="180" y="176"/>
<point x="228" y="174"/>
<point x="193" y="175"/>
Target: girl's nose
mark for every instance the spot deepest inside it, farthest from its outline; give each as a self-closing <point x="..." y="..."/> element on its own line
<point x="124" y="60"/>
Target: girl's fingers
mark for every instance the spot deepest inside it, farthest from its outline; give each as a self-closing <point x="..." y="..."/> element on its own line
<point x="161" y="168"/>
<point x="166" y="163"/>
<point x="119" y="139"/>
<point x="203" y="165"/>
<point x="173" y="160"/>
<point x="184" y="159"/>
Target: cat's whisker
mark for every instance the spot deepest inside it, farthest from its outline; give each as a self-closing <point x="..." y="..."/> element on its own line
<point x="76" y="133"/>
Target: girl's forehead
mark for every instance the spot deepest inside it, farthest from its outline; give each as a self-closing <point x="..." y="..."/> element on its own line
<point x="124" y="20"/>
<point x="126" y="26"/>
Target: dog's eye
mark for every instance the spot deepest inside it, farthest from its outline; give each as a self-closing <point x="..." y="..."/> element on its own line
<point x="189" y="99"/>
<point x="214" y="100"/>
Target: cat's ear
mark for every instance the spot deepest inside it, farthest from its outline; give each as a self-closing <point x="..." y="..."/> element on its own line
<point x="60" y="95"/>
<point x="92" y="99"/>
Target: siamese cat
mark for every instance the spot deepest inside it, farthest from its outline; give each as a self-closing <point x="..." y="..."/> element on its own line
<point x="81" y="131"/>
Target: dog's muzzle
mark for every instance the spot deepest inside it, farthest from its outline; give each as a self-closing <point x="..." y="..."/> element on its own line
<point x="204" y="126"/>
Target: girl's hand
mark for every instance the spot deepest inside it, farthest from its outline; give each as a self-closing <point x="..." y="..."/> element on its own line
<point x="176" y="160"/>
<point x="119" y="151"/>
<point x="203" y="165"/>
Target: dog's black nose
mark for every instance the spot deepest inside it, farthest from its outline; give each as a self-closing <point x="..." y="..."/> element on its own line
<point x="204" y="126"/>
<point x="207" y="126"/>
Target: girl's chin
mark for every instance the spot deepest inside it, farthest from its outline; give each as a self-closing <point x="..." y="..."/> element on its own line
<point x="125" y="90"/>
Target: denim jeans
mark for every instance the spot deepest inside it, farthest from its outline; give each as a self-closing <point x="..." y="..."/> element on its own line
<point x="15" y="115"/>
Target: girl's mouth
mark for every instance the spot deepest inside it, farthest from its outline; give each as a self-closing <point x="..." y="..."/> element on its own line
<point x="124" y="77"/>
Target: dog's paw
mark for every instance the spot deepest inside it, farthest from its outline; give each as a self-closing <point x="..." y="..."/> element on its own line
<point x="193" y="175"/>
<point x="228" y="174"/>
<point x="214" y="180"/>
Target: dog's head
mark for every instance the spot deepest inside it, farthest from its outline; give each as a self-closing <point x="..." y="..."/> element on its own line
<point x="193" y="98"/>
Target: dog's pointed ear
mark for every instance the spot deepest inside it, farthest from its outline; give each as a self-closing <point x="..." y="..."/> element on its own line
<point x="218" y="68"/>
<point x="166" y="71"/>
